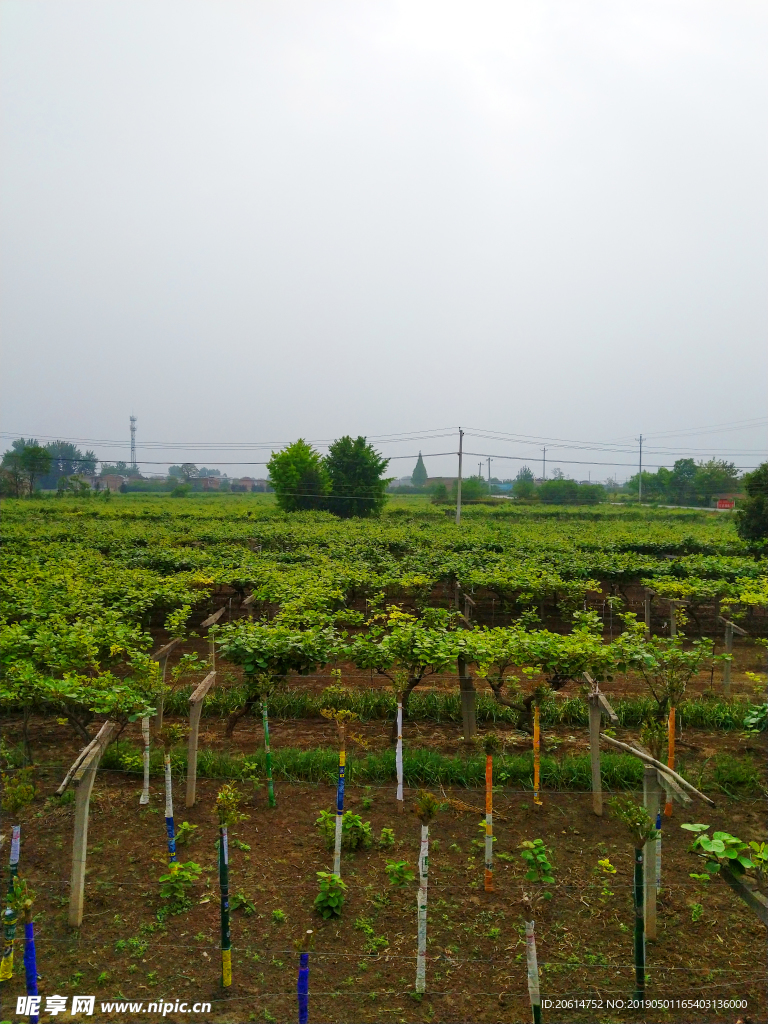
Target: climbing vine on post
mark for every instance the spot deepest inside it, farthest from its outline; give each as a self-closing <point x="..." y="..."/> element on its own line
<point x="342" y="719"/>
<point x="170" y="736"/>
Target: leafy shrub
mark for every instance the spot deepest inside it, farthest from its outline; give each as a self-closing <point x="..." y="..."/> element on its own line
<point x="354" y="831"/>
<point x="536" y="856"/>
<point x="18" y="790"/>
<point x="176" y="885"/>
<point x="242" y="902"/>
<point x="399" y="873"/>
<point x="722" y="849"/>
<point x="387" y="838"/>
<point x="186" y="833"/>
<point x="330" y="899"/>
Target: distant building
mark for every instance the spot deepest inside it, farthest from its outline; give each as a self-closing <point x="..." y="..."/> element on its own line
<point x="724" y="500"/>
<point x="210" y="483"/>
<point x="112" y="482"/>
<point x="448" y="481"/>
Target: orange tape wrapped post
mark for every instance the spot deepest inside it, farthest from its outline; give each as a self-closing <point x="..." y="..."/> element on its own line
<point x="536" y="757"/>
<point x="671" y="756"/>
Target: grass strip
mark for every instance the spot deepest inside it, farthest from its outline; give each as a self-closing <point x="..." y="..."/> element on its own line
<point x="374" y="705"/>
<point x="422" y="767"/>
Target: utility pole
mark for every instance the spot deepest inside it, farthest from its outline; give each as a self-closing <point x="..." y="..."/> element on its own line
<point x="458" y="482"/>
<point x="489" y="474"/>
<point x="640" y="477"/>
<point x="133" y="442"/>
<point x="544" y="465"/>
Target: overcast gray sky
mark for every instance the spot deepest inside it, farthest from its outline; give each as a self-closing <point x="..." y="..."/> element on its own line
<point x="253" y="221"/>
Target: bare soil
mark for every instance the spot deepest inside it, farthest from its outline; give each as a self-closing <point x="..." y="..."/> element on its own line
<point x="476" y="970"/>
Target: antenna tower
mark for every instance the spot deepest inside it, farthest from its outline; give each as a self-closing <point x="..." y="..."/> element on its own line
<point x="133" y="442"/>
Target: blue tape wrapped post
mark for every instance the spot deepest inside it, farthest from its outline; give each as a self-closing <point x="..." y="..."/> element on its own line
<point x="169" y="827"/>
<point x="303" y="988"/>
<point x="30" y="964"/>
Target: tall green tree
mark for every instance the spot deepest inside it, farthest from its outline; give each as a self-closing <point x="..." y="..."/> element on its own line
<point x="36" y="462"/>
<point x="715" y="477"/>
<point x="472" y="488"/>
<point x="354" y="470"/>
<point x="524" y="485"/>
<point x="752" y="519"/>
<point x="67" y="460"/>
<point x="419" y="475"/>
<point x="682" y="483"/>
<point x="14" y="468"/>
<point x="299" y="478"/>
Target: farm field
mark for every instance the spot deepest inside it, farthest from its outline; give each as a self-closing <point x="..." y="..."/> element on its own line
<point x="319" y="614"/>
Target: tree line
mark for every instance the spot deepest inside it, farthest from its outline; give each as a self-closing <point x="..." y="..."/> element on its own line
<point x="687" y="483"/>
<point x="27" y="464"/>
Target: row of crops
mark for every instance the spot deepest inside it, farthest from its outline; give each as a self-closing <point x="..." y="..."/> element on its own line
<point x="84" y="583"/>
<point x="103" y="603"/>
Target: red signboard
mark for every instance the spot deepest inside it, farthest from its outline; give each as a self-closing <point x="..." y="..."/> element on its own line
<point x="725" y="503"/>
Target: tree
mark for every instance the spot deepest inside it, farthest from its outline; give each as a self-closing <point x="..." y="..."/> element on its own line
<point x="13" y="467"/>
<point x="715" y="477"/>
<point x="188" y="471"/>
<point x="472" y="488"/>
<point x="67" y="460"/>
<point x="682" y="490"/>
<point x="299" y="478"/>
<point x="118" y="469"/>
<point x="35" y="461"/>
<point x="752" y="519"/>
<point x="419" y="475"/>
<point x="354" y="471"/>
<point x="559" y="492"/>
<point x="524" y="486"/>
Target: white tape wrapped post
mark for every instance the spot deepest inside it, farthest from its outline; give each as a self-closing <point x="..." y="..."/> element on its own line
<point x="533" y="971"/>
<point x="421" y="957"/>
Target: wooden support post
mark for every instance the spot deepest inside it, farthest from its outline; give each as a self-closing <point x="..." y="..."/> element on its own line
<point x="666" y="775"/>
<point x="672" y="619"/>
<point x="647" y="610"/>
<point x="598" y="706"/>
<point x="730" y="629"/>
<point x="83" y="780"/>
<point x="161" y="657"/>
<point x="195" y="710"/>
<point x="754" y="899"/>
<point x="206" y="624"/>
<point x="728" y="650"/>
<point x="468" y="699"/>
<point x="594" y="754"/>
<point x="651" y="804"/>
